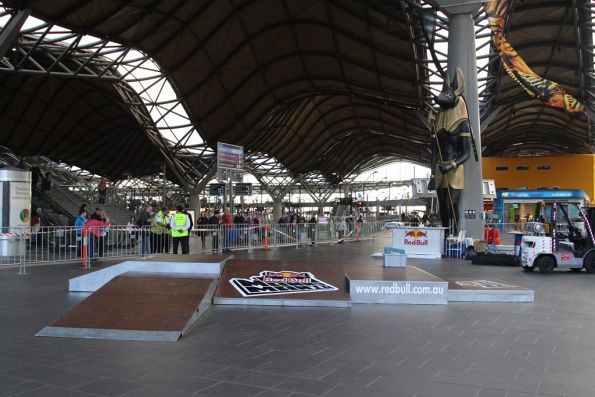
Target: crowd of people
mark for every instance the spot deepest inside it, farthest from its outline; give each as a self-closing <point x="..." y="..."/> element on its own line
<point x="157" y="230"/>
<point x="414" y="219"/>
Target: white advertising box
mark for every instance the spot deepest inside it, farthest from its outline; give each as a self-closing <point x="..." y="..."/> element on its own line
<point x="419" y="242"/>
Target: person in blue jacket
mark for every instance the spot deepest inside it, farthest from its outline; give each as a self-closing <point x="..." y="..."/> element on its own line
<point x="79" y="224"/>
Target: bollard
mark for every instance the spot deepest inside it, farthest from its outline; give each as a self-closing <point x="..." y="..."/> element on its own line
<point x="84" y="248"/>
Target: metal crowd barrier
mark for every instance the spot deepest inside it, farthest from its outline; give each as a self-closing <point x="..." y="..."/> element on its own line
<point x="59" y="244"/>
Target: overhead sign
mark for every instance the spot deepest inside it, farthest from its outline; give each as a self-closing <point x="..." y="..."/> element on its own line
<point x="242" y="189"/>
<point x="217" y="189"/>
<point x="229" y="157"/>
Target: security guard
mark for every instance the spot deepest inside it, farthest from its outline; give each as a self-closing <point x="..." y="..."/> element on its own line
<point x="158" y="231"/>
<point x="180" y="230"/>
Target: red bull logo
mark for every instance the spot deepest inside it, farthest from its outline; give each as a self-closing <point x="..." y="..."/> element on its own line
<point x="416" y="237"/>
<point x="416" y="233"/>
<point x="287" y="277"/>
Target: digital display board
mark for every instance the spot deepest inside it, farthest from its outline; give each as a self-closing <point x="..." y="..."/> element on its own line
<point x="242" y="189"/>
<point x="229" y="157"/>
<point x="217" y="189"/>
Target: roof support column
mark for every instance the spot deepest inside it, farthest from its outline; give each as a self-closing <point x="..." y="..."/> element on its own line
<point x="277" y="211"/>
<point x="11" y="31"/>
<point x="461" y="53"/>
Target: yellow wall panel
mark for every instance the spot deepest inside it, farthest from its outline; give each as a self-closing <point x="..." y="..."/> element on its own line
<point x="565" y="172"/>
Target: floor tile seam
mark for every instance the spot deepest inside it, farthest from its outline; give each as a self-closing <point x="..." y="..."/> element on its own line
<point x="39" y="386"/>
<point x="98" y="377"/>
<point x="247" y="384"/>
<point x="331" y="389"/>
<point x="108" y="378"/>
<point x="330" y="358"/>
<point x="82" y="359"/>
<point x="266" y="388"/>
<point x="488" y="387"/>
<point x="373" y="381"/>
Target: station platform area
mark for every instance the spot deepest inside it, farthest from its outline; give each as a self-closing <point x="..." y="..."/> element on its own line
<point x="479" y="349"/>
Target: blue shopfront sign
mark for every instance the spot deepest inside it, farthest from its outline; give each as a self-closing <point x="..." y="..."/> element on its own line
<point x="540" y="194"/>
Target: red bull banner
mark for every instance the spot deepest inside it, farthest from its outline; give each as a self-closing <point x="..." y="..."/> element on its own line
<point x="550" y="92"/>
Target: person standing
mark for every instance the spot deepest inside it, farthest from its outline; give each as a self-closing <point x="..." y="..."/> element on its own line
<point x="312" y="229"/>
<point x="131" y="233"/>
<point x="157" y="232"/>
<point x="227" y="222"/>
<point x="95" y="227"/>
<point x="180" y="230"/>
<point x="202" y="222"/>
<point x="166" y="230"/>
<point x="22" y="164"/>
<point x="35" y="175"/>
<point x="215" y="221"/>
<point x="36" y="226"/>
<point x="79" y="224"/>
<point x="102" y="238"/>
<point x="258" y="232"/>
<point x="46" y="186"/>
<point x="340" y="227"/>
<point x="144" y="224"/>
<point x="102" y="190"/>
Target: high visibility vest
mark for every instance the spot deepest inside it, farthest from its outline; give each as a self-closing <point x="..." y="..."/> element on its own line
<point x="179" y="223"/>
<point x="158" y="227"/>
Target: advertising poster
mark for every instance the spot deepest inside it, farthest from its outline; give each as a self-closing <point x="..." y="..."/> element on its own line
<point x="20" y="203"/>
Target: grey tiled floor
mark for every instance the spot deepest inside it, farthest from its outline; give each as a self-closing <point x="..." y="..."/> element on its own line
<point x="462" y="349"/>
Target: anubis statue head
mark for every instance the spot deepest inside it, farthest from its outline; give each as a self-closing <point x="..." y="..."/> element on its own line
<point x="451" y="91"/>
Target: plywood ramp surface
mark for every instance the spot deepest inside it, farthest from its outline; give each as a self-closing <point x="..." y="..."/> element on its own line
<point x="159" y="302"/>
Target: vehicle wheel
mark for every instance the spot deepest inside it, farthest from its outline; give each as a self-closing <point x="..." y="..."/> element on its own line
<point x="528" y="268"/>
<point x="576" y="269"/>
<point x="546" y="264"/>
<point x="589" y="263"/>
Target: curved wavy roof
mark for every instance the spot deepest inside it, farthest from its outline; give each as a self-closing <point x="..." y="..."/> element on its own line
<point x="82" y="122"/>
<point x="330" y="86"/>
<point x="320" y="85"/>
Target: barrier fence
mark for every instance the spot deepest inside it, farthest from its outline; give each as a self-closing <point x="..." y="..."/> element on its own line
<point x="55" y="244"/>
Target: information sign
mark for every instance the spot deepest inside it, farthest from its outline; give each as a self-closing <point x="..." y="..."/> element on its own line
<point x="242" y="189"/>
<point x="229" y="157"/>
<point x="217" y="189"/>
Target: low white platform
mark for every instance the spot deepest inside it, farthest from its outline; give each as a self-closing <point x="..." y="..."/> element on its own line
<point x="93" y="281"/>
<point x="398" y="285"/>
<point x="487" y="290"/>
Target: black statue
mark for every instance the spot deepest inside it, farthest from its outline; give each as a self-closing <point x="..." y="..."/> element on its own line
<point x="451" y="145"/>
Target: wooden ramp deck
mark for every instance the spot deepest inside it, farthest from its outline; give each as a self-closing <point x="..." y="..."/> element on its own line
<point x="138" y="306"/>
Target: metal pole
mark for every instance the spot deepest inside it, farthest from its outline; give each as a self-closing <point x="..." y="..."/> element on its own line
<point x="231" y="209"/>
<point x="163" y="198"/>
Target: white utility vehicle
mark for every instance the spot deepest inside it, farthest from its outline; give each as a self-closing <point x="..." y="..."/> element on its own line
<point x="566" y="242"/>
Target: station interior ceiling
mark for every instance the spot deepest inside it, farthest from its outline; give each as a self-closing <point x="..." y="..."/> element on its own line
<point x="326" y="88"/>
